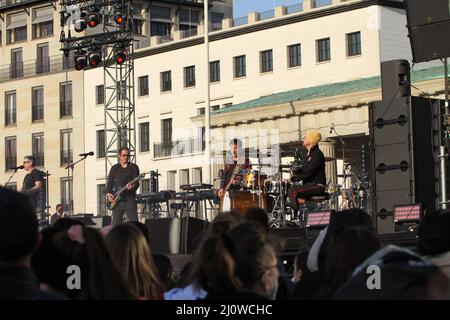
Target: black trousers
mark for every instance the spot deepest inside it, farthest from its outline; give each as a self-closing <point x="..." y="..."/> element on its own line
<point x="127" y="206"/>
<point x="303" y="191"/>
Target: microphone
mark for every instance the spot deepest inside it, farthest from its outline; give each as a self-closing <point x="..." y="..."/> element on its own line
<point x="18" y="167"/>
<point x="86" y="154"/>
<point x="331" y="128"/>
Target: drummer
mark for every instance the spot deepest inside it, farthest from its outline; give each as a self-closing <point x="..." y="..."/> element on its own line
<point x="311" y="174"/>
<point x="236" y="163"/>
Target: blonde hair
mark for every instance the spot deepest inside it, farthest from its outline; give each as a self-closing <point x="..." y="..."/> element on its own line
<point x="131" y="253"/>
<point x="313" y="137"/>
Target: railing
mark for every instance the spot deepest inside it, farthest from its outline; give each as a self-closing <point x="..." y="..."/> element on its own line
<point x="240" y="21"/>
<point x="30" y="68"/>
<point x="5" y="3"/>
<point x="269" y="14"/>
<point x="215" y="27"/>
<point x="37" y="112"/>
<point x="294" y="8"/>
<point x="43" y="66"/>
<point x="321" y="3"/>
<point x="10" y="162"/>
<point x="39" y="159"/>
<point x="178" y="147"/>
<point x="66" y="157"/>
<point x="188" y="33"/>
<point x="167" y="38"/>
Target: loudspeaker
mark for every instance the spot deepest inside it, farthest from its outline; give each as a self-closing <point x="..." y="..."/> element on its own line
<point x="405" y="138"/>
<point x="428" y="26"/>
<point x="395" y="79"/>
<point x="175" y="235"/>
<point x="86" y="218"/>
<point x="101" y="221"/>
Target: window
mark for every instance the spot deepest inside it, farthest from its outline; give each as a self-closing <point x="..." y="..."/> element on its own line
<point x="166" y="132"/>
<point x="227" y="105"/>
<point x="161" y="21"/>
<point x="65" y="99"/>
<point x="101" y="199"/>
<point x="66" y="146"/>
<point x="353" y="44"/>
<point x="145" y="186"/>
<point x="16" y="27"/>
<point x="100" y="94"/>
<point x="66" y="193"/>
<point x="166" y="81"/>
<point x="215" y="108"/>
<point x="69" y="61"/>
<point x="101" y="144"/>
<point x="42" y="60"/>
<point x="189" y="76"/>
<point x="10" y="153"/>
<point x="38" y="148"/>
<point x="171" y="178"/>
<point x="143" y="86"/>
<point x="216" y="21"/>
<point x="42" y="22"/>
<point x="323" y="50"/>
<point x="214" y="71"/>
<point x="294" y="56"/>
<point x="138" y="27"/>
<point x="188" y="22"/>
<point x="16" y="63"/>
<point x="266" y="61"/>
<point x="144" y="137"/>
<point x="10" y="108"/>
<point x="239" y="67"/>
<point x="37" y="104"/>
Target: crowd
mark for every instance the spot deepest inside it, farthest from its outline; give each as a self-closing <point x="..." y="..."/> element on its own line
<point x="236" y="258"/>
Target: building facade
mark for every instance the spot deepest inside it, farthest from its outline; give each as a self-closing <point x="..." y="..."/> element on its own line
<point x="273" y="76"/>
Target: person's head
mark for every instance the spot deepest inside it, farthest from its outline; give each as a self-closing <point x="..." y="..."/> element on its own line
<point x="348" y="248"/>
<point x="300" y="265"/>
<point x="259" y="216"/>
<point x="224" y="222"/>
<point x="19" y="235"/>
<point x="242" y="259"/>
<point x="311" y="139"/>
<point x="434" y="233"/>
<point x="165" y="270"/>
<point x="124" y="154"/>
<point x="343" y="219"/>
<point x="235" y="146"/>
<point x="50" y="264"/>
<point x="100" y="277"/>
<point x="143" y="228"/>
<point x="29" y="163"/>
<point x="59" y="209"/>
<point x="131" y="253"/>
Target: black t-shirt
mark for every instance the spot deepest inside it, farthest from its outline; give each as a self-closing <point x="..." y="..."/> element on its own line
<point x="29" y="182"/>
<point x="313" y="170"/>
<point x="119" y="177"/>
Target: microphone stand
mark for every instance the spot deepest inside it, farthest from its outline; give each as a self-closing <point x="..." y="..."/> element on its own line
<point x="69" y="169"/>
<point x="343" y="155"/>
<point x="12" y="175"/>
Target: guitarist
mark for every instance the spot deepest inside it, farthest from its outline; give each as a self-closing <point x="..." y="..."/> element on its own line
<point x="235" y="162"/>
<point x="119" y="176"/>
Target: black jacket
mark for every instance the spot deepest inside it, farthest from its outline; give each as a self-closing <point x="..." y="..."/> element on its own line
<point x="119" y="177"/>
<point x="313" y="169"/>
<point x="20" y="283"/>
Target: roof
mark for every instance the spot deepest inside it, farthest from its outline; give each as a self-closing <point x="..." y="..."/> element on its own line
<point x="328" y="90"/>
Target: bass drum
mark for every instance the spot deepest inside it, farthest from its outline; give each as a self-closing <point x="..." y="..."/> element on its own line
<point x="240" y="201"/>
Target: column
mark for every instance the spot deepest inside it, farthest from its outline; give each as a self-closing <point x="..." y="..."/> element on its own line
<point x="330" y="166"/>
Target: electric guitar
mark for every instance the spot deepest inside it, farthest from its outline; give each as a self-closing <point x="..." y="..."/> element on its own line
<point x="117" y="195"/>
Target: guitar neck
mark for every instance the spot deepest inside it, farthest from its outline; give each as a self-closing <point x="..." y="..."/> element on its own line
<point x="125" y="187"/>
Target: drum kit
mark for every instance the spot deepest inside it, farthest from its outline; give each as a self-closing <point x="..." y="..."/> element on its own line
<point x="270" y="192"/>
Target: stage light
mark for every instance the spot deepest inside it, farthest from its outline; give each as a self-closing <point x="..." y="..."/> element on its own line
<point x="318" y="219"/>
<point x="80" y="61"/>
<point x="407" y="213"/>
<point x="95" y="58"/>
<point x="119" y="55"/>
<point x="80" y="23"/>
<point x="118" y="17"/>
<point x="94" y="19"/>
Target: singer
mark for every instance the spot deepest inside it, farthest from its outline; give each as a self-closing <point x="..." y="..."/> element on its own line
<point x="33" y="182"/>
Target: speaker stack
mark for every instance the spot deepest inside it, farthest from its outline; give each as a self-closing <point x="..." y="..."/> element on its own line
<point x="405" y="139"/>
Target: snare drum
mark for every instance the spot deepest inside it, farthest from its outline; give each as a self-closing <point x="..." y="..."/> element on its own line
<point x="241" y="200"/>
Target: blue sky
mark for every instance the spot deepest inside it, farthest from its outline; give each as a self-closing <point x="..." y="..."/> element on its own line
<point x="243" y="7"/>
